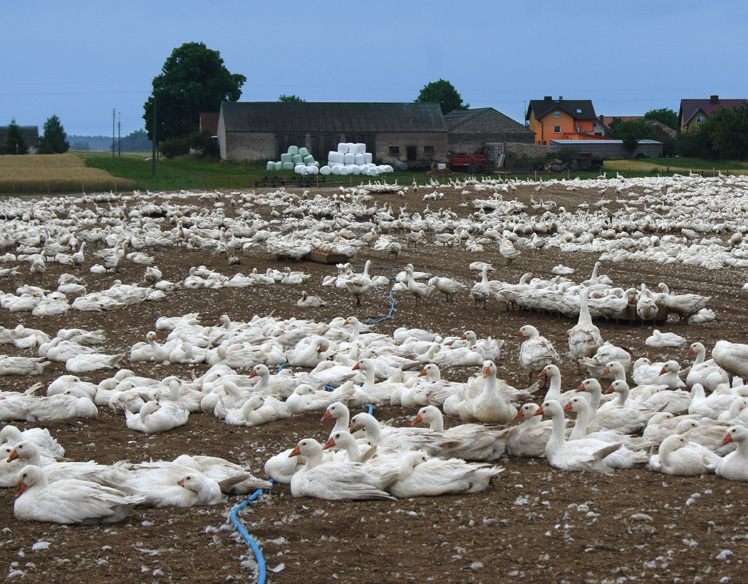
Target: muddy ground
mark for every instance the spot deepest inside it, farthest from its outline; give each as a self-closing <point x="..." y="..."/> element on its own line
<point x="535" y="524"/>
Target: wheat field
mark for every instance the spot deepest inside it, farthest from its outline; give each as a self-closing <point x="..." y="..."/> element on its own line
<point x="55" y="173"/>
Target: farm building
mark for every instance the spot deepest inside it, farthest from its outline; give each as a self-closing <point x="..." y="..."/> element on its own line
<point x="408" y="132"/>
<point x="694" y="112"/>
<point x="475" y="131"/>
<point x="562" y="119"/>
<point x="603" y="148"/>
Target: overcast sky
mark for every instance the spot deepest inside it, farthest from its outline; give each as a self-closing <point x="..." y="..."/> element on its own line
<point x="81" y="59"/>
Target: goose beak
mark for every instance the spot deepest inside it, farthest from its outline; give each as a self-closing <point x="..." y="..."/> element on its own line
<point x="567" y="407"/>
<point x="606" y="371"/>
<point x="566" y="335"/>
<point x="520" y="415"/>
<point x="580" y="388"/>
<point x="356" y="366"/>
<point x="13" y="455"/>
<point x="543" y="373"/>
<point x="294" y="452"/>
<point x="662" y="371"/>
<point x="329" y="444"/>
<point x="20" y="488"/>
<point x="253" y="374"/>
<point x="181" y="483"/>
<point x="690" y="352"/>
<point x="346" y="322"/>
<point x="726" y="440"/>
<point x="417" y="420"/>
<point x="539" y="412"/>
<point x="326" y="416"/>
<point x="609" y="390"/>
<point x="486" y="371"/>
<point x="463" y="337"/>
<point x="520" y="335"/>
<point x="422" y="373"/>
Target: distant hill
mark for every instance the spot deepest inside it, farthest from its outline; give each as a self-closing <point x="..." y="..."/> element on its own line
<point x="134" y="142"/>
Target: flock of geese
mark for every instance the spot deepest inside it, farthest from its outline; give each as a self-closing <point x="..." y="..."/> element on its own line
<point x="626" y="414"/>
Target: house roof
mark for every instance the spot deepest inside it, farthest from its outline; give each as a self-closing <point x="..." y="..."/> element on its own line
<point x="579" y="109"/>
<point x="209" y="121"/>
<point x="606" y="120"/>
<point x="334" y="117"/>
<point x="690" y="107"/>
<point x="491" y="120"/>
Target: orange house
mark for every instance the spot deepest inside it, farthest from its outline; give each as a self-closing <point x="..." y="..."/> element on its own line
<point x="561" y="119"/>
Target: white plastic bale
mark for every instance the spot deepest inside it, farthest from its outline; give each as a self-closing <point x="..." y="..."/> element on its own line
<point x="335" y="158"/>
<point x="297" y="159"/>
<point x="359" y="159"/>
<point x="385" y="168"/>
<point x="359" y="148"/>
<point x="293" y="150"/>
<point x="369" y="157"/>
<point x="308" y="159"/>
<point x="300" y="169"/>
<point x="278" y="166"/>
<point x="304" y="152"/>
<point x="355" y="169"/>
<point x="343" y="147"/>
<point x="326" y="170"/>
<point x="288" y="165"/>
<point x="349" y="159"/>
<point x="270" y="165"/>
<point x="372" y="171"/>
<point x="286" y="157"/>
<point x="312" y="170"/>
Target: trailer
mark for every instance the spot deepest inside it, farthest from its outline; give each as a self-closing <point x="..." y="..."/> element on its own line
<point x="461" y="162"/>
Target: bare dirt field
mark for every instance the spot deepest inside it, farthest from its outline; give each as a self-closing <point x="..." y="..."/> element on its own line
<point x="534" y="524"/>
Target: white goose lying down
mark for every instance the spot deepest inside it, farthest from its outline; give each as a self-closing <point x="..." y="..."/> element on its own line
<point x="68" y="500"/>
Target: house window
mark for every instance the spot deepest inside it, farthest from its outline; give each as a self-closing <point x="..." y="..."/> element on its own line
<point x="699" y="119"/>
<point x="428" y="151"/>
<point x="556" y="129"/>
<point x="557" y="114"/>
<point x="394" y="150"/>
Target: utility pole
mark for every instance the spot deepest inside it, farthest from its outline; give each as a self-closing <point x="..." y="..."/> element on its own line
<point x="153" y="156"/>
<point x="113" y="112"/>
<point x="119" y="135"/>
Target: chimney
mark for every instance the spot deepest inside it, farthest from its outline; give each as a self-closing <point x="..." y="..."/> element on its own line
<point x="547" y="98"/>
<point x="714" y="99"/>
<point x="560" y="98"/>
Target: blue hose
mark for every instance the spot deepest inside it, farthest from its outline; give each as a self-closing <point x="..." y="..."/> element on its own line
<point x="261" y="569"/>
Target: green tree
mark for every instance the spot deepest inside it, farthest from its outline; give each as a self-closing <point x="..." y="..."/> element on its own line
<point x="728" y="130"/>
<point x="290" y="99"/>
<point x="631" y="132"/>
<point x="15" y="143"/>
<point x="54" y="139"/>
<point x="443" y="93"/>
<point x="193" y="80"/>
<point x="664" y="115"/>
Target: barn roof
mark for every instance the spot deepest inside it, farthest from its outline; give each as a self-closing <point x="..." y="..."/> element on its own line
<point x="491" y="119"/>
<point x="335" y="117"/>
<point x="690" y="107"/>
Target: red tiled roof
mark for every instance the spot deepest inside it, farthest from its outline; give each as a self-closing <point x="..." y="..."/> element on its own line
<point x="606" y="120"/>
<point x="209" y="122"/>
<point x="689" y="107"/>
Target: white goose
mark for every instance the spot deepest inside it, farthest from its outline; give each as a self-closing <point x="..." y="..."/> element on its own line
<point x="341" y="480"/>
<point x="68" y="501"/>
<point x="155" y="417"/>
<point x="707" y="373"/>
<point x="529" y="438"/>
<point x="39" y="436"/>
<point x="734" y="466"/>
<point x="491" y="406"/>
<point x="536" y="352"/>
<point x="584" y="338"/>
<point x="585" y="454"/>
<point x="678" y="456"/>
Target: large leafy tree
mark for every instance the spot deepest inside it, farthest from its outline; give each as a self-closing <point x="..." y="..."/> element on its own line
<point x="631" y="132"/>
<point x="193" y="80"/>
<point x="290" y="98"/>
<point x="443" y="93"/>
<point x="728" y="130"/>
<point x="54" y="139"/>
<point x="15" y="143"/>
<point x="663" y="115"/>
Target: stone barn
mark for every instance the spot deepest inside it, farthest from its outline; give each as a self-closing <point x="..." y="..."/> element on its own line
<point x="485" y="130"/>
<point x="414" y="133"/>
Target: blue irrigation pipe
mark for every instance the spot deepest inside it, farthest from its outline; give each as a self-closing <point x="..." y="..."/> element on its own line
<point x="261" y="568"/>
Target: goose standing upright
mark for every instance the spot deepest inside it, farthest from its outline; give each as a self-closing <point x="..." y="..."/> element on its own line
<point x="584" y="338"/>
<point x="536" y="352"/>
<point x="481" y="291"/>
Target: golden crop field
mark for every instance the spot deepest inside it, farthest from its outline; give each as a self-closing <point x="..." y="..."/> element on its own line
<point x="55" y="173"/>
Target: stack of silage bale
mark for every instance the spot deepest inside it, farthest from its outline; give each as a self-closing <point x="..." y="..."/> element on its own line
<point x="352" y="159"/>
<point x="297" y="159"/>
